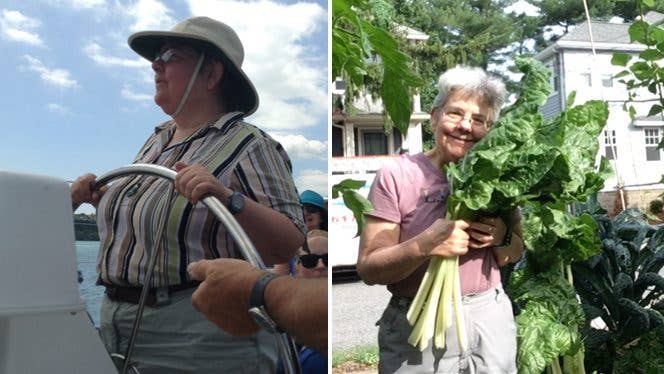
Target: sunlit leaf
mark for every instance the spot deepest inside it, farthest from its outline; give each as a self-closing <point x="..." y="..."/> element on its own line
<point x="638" y="31"/>
<point x="620" y="59"/>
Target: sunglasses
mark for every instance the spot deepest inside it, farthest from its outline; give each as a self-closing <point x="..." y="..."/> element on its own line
<point x="311" y="260"/>
<point x="169" y="55"/>
<point x="311" y="209"/>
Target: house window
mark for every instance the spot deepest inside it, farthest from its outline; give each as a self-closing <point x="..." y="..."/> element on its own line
<point x="586" y="79"/>
<point x="652" y="140"/>
<point x="610" y="148"/>
<point x="396" y="138"/>
<point x="607" y="80"/>
<point x="337" y="141"/>
<point x="374" y="142"/>
<point x="554" y="79"/>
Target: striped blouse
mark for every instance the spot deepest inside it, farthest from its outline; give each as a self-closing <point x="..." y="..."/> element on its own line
<point x="240" y="155"/>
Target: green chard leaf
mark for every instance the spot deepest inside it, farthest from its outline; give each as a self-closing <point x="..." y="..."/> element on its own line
<point x="357" y="203"/>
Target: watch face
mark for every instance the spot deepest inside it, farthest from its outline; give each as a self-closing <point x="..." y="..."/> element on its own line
<point x="235" y="203"/>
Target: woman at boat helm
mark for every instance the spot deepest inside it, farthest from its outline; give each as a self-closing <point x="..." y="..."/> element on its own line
<point x="200" y="84"/>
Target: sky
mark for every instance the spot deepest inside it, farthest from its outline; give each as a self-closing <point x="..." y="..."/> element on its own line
<point x="77" y="99"/>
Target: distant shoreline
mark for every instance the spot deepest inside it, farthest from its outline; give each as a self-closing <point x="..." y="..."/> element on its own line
<point x="85" y="227"/>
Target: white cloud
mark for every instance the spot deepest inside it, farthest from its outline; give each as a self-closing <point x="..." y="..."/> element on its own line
<point x="128" y="94"/>
<point x="87" y="4"/>
<point x="302" y="148"/>
<point x="150" y="15"/>
<point x="56" y="77"/>
<point x="98" y="55"/>
<point x="59" y="109"/>
<point x="79" y="4"/>
<point x="291" y="83"/>
<point x="17" y="27"/>
<point x="311" y="179"/>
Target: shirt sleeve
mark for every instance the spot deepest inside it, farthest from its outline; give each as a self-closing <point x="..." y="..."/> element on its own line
<point x="264" y="175"/>
<point x="384" y="195"/>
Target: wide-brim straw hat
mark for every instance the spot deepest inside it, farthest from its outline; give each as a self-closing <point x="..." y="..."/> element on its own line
<point x="217" y="40"/>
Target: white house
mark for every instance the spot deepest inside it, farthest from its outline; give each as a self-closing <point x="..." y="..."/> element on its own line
<point x="360" y="145"/>
<point x="631" y="146"/>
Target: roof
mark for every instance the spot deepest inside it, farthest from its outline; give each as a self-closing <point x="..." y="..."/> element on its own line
<point x="605" y="32"/>
<point x="606" y="36"/>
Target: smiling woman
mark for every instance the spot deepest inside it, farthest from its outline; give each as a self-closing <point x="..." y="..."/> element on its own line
<point x="405" y="232"/>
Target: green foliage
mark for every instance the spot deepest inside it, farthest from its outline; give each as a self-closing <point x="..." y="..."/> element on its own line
<point x="525" y="159"/>
<point x="646" y="356"/>
<point x="656" y="206"/>
<point x="546" y="328"/>
<point x="644" y="72"/>
<point x="357" y="203"/>
<point x="355" y="42"/>
<point x="620" y="285"/>
<point x="364" y="355"/>
<point x="85" y="228"/>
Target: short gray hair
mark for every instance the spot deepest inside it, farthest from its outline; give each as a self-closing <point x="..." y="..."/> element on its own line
<point x="474" y="82"/>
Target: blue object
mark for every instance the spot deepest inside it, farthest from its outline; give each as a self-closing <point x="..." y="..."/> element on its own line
<point x="312" y="198"/>
<point x="311" y="362"/>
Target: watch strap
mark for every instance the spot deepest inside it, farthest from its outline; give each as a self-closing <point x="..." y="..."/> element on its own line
<point x="257" y="296"/>
<point x="257" y="309"/>
<point x="507" y="240"/>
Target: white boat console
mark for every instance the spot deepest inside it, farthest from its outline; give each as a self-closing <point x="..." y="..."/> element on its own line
<point x="44" y="326"/>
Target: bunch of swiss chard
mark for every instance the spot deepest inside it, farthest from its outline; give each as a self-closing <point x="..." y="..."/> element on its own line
<point x="541" y="166"/>
<point x="622" y="286"/>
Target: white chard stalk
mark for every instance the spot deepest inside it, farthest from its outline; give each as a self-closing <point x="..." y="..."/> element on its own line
<point x="429" y="314"/>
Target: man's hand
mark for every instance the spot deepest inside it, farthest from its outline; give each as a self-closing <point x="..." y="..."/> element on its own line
<point x="195" y="182"/>
<point x="447" y="238"/>
<point x="223" y="295"/>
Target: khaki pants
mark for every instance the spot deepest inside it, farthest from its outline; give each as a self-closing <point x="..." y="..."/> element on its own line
<point x="491" y="336"/>
<point x="176" y="338"/>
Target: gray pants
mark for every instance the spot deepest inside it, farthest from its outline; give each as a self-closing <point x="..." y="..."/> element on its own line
<point x="176" y="338"/>
<point x="491" y="339"/>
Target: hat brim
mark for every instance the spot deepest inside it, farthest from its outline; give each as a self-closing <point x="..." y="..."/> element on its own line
<point x="316" y="205"/>
<point x="148" y="43"/>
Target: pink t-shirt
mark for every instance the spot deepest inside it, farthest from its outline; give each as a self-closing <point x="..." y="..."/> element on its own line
<point x="412" y="192"/>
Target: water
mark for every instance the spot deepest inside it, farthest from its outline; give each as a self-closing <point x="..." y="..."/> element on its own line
<point x="86" y="256"/>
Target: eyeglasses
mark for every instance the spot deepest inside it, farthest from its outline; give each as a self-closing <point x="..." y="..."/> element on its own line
<point x="169" y="55"/>
<point x="457" y="115"/>
<point x="311" y="260"/>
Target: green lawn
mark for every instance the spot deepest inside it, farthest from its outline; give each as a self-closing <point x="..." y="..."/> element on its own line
<point x="364" y="355"/>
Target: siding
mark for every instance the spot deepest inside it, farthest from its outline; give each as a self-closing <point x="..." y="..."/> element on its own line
<point x="552" y="106"/>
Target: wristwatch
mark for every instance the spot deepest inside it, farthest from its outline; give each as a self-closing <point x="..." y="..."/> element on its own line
<point x="235" y="203"/>
<point x="257" y="309"/>
<point x="507" y="240"/>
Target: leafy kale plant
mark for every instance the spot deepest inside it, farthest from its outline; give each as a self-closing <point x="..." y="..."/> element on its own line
<point x="622" y="286"/>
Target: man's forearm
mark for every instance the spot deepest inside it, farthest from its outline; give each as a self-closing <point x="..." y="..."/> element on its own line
<point x="299" y="307"/>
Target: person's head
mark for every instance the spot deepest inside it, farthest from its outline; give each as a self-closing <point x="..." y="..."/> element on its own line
<point x="467" y="104"/>
<point x="199" y="61"/>
<point x="315" y="213"/>
<point x="312" y="260"/>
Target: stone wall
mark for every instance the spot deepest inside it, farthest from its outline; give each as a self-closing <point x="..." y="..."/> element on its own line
<point x="634" y="199"/>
